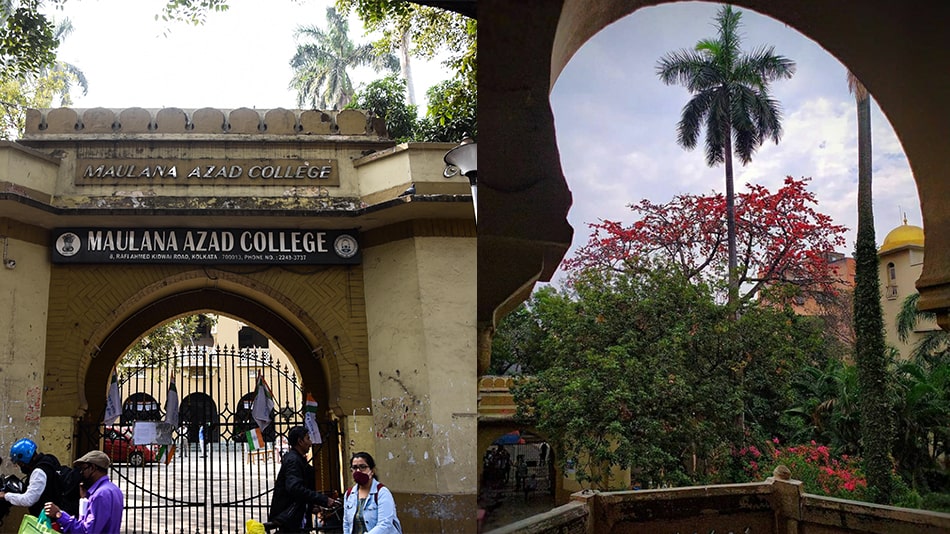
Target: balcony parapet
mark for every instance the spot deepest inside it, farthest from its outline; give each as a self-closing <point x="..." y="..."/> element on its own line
<point x="775" y="506"/>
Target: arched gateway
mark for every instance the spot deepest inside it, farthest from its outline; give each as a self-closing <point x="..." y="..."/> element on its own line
<point x="297" y="223"/>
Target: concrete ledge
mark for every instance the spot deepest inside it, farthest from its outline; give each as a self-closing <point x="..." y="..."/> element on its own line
<point x="569" y="519"/>
<point x="131" y="122"/>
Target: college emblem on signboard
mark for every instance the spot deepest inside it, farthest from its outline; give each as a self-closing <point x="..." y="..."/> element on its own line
<point x="345" y="246"/>
<point x="68" y="244"/>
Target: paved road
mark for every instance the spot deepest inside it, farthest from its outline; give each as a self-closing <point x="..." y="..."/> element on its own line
<point x="196" y="494"/>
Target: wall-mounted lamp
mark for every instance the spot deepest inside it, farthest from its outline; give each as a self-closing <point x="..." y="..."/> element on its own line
<point x="463" y="160"/>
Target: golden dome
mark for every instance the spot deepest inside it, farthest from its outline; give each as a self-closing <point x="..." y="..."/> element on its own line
<point x="903" y="235"/>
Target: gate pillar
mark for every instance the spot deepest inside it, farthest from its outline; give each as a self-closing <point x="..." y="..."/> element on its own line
<point x="420" y="311"/>
<point x="360" y="436"/>
<point x="56" y="433"/>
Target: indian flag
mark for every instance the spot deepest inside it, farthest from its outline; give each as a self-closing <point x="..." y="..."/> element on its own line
<point x="255" y="439"/>
<point x="310" y="419"/>
<point x="166" y="453"/>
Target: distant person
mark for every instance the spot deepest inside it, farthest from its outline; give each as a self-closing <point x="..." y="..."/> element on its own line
<point x="201" y="440"/>
<point x="521" y="472"/>
<point x="504" y="463"/>
<point x="531" y="484"/>
<point x="42" y="471"/>
<point x="543" y="451"/>
<point x="294" y="491"/>
<point x="103" y="511"/>
<point x="368" y="506"/>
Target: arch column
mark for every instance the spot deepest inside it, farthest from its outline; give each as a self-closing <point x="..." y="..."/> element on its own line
<point x="421" y="327"/>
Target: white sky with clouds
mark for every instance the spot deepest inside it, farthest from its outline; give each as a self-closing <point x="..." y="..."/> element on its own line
<point x="238" y="58"/>
<point x="616" y="125"/>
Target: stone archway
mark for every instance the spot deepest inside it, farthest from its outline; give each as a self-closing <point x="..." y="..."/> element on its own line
<point x="524" y="234"/>
<point x="264" y="318"/>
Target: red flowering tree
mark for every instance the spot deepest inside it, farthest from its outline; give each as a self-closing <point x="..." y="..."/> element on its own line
<point x="784" y="242"/>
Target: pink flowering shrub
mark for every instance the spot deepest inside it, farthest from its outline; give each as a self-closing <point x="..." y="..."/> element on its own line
<point x="813" y="464"/>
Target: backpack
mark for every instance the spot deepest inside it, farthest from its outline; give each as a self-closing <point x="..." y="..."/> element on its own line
<point x="376" y="498"/>
<point x="69" y="486"/>
<point x="62" y="483"/>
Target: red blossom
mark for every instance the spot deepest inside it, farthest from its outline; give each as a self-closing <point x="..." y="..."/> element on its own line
<point x="781" y="239"/>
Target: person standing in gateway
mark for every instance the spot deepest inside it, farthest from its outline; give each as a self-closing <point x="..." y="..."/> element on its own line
<point x="294" y="490"/>
<point x="103" y="511"/>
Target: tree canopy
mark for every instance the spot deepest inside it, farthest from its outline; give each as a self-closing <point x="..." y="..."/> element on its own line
<point x="785" y="240"/>
<point x="644" y="370"/>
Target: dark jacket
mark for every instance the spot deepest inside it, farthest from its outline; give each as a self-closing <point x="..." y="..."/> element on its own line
<point x="53" y="491"/>
<point x="294" y="493"/>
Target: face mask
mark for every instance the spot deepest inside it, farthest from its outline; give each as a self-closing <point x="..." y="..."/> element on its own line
<point x="360" y="477"/>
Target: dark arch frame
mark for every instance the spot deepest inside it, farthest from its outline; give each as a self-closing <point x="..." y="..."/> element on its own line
<point x="293" y="341"/>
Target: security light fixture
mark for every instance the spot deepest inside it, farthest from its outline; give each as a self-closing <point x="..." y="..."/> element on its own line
<point x="463" y="160"/>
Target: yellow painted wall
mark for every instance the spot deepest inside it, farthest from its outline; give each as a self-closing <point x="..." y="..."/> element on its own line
<point x="420" y="310"/>
<point x="24" y="294"/>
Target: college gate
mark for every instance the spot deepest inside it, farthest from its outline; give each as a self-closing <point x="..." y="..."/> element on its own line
<point x="202" y="471"/>
<point x="355" y="255"/>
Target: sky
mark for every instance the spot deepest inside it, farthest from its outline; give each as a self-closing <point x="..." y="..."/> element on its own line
<point x="616" y="126"/>
<point x="238" y="58"/>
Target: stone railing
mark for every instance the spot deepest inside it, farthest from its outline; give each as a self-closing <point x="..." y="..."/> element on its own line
<point x="208" y="121"/>
<point x="774" y="506"/>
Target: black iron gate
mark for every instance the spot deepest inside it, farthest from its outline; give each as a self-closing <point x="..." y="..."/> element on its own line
<point x="201" y="475"/>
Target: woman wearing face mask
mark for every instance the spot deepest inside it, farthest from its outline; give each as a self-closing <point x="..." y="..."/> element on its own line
<point x="369" y="507"/>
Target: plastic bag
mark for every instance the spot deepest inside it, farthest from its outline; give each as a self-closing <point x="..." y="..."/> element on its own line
<point x="254" y="527"/>
<point x="34" y="525"/>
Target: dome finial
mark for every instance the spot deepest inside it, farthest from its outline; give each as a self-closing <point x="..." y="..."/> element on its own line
<point x="905" y="218"/>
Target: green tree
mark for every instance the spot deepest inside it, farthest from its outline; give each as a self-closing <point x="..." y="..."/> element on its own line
<point x="165" y="339"/>
<point x="730" y="101"/>
<point x="27" y="38"/>
<point x="921" y="407"/>
<point x="877" y="420"/>
<point x="386" y="98"/>
<point x="516" y="345"/>
<point x="643" y="370"/>
<point x="323" y="59"/>
<point x="49" y="85"/>
<point x="431" y="31"/>
<point x="826" y="401"/>
<point x="452" y="113"/>
<point x="934" y="346"/>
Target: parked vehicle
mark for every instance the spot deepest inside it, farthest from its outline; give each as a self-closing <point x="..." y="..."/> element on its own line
<point x="117" y="443"/>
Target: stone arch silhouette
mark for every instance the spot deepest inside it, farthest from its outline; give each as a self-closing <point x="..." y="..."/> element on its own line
<point x="298" y="347"/>
<point x="524" y="233"/>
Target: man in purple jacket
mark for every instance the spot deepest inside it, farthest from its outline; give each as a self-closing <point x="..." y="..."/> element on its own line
<point x="103" y="511"/>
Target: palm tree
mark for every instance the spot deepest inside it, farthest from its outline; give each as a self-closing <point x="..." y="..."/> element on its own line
<point x="731" y="101"/>
<point x="934" y="346"/>
<point x="321" y="63"/>
<point x="870" y="350"/>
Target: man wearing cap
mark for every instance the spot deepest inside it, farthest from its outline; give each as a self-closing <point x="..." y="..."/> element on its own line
<point x="103" y="513"/>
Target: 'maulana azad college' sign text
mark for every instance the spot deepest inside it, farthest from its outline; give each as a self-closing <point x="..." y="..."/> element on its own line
<point x="322" y="172"/>
<point x="214" y="246"/>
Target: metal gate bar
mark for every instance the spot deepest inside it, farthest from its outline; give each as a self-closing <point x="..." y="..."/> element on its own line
<point x="219" y="490"/>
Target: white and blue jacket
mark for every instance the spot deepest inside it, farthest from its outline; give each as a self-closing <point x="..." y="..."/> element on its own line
<point x="379" y="510"/>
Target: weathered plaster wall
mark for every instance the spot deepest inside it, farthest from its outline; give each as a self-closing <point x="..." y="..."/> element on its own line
<point x="420" y="296"/>
<point x="24" y="294"/>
